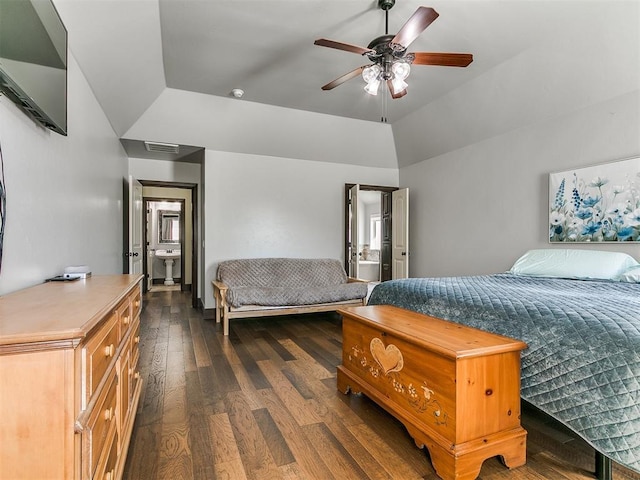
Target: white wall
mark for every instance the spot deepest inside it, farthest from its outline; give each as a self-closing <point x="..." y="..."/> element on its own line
<point x="259" y="206"/>
<point x="164" y="171"/>
<point x="475" y="210"/>
<point x="64" y="194"/>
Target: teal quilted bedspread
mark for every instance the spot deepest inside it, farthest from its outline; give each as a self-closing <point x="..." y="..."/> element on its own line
<point x="582" y="364"/>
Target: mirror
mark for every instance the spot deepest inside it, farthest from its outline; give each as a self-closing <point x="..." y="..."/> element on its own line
<point x="168" y="226"/>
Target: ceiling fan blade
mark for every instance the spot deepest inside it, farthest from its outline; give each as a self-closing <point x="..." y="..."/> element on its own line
<point x="443" y="59"/>
<point x="395" y="95"/>
<point x="323" y="42"/>
<point x="343" y="78"/>
<point x="421" y="19"/>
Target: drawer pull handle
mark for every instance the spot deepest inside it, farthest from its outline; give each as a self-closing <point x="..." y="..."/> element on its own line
<point x="110" y="350"/>
<point x="136" y="339"/>
<point x="125" y="320"/>
<point x="108" y="414"/>
<point x="110" y="475"/>
<point x="136" y="375"/>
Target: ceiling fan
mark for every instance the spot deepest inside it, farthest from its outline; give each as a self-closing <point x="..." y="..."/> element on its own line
<point x="391" y="61"/>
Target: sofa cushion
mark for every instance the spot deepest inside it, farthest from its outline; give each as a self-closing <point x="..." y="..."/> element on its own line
<point x="282" y="272"/>
<point x="287" y="281"/>
<point x="279" y="296"/>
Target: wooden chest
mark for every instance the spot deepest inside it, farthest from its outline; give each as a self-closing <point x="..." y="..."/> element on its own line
<point x="455" y="388"/>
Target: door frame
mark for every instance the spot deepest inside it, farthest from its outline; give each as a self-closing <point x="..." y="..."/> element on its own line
<point x="347" y="188"/>
<point x="195" y="277"/>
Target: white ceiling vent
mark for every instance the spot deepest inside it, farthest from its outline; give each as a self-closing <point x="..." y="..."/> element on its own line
<point x="162" y="147"/>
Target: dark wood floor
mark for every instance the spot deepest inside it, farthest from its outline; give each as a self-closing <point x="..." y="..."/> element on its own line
<point x="262" y="404"/>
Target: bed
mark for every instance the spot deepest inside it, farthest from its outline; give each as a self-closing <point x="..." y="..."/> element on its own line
<point x="582" y="364"/>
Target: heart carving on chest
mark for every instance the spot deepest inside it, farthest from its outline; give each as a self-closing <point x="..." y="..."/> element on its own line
<point x="389" y="358"/>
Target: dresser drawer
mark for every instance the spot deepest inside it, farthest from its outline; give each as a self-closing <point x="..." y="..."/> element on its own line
<point x="100" y="424"/>
<point x="135" y="343"/>
<point x="125" y="318"/>
<point x="98" y="352"/>
<point x="135" y="356"/>
<point x="136" y="303"/>
<point x="130" y="374"/>
<point x="124" y="386"/>
<point x="107" y="467"/>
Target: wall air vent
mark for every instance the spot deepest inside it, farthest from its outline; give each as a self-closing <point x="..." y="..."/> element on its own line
<point x="162" y="147"/>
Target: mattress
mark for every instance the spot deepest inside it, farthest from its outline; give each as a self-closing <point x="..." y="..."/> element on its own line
<point x="582" y="364"/>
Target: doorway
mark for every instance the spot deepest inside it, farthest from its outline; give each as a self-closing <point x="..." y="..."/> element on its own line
<point x="376" y="246"/>
<point x="187" y="195"/>
<point x="166" y="259"/>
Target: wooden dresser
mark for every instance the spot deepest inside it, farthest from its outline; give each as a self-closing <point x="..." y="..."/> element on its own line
<point x="69" y="380"/>
<point x="455" y="388"/>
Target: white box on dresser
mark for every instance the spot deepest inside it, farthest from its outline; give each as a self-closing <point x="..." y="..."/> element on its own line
<point x="69" y="380"/>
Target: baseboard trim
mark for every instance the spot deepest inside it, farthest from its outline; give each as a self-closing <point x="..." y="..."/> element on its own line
<point x="207" y="313"/>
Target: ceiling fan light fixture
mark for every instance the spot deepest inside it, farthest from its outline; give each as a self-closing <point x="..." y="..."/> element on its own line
<point x="372" y="87"/>
<point x="398" y="85"/>
<point x="390" y="60"/>
<point x="371" y="73"/>
<point x="401" y="70"/>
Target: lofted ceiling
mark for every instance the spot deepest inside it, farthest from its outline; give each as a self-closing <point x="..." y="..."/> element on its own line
<point x="132" y="50"/>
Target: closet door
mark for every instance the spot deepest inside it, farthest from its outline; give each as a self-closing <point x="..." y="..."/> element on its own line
<point x="400" y="235"/>
<point x="385" y="244"/>
<point x="354" y="248"/>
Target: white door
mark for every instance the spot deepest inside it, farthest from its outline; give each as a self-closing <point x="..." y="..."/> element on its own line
<point x="150" y="252"/>
<point x="354" y="266"/>
<point x="400" y="234"/>
<point x="135" y="226"/>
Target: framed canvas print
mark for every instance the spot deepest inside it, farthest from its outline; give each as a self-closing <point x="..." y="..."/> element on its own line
<point x="600" y="203"/>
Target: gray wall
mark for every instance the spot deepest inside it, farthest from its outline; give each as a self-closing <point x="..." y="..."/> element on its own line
<point x="274" y="177"/>
<point x="477" y="160"/>
<point x="477" y="209"/>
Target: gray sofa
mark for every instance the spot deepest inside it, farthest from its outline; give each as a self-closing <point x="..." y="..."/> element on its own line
<point x="261" y="287"/>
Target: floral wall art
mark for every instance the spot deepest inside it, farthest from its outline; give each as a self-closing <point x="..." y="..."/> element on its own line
<point x="596" y="204"/>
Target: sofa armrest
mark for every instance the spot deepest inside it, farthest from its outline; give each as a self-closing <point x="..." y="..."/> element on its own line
<point x="219" y="291"/>
<point x="220" y="296"/>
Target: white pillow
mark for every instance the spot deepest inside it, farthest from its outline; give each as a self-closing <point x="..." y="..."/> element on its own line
<point x="567" y="263"/>
<point x="631" y="275"/>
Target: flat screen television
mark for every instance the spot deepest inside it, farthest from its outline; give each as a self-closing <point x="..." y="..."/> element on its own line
<point x="33" y="60"/>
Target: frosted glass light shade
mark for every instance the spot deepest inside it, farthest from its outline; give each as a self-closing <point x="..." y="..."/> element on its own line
<point x="401" y="70"/>
<point x="372" y="87"/>
<point x="398" y="85"/>
<point x="371" y="73"/>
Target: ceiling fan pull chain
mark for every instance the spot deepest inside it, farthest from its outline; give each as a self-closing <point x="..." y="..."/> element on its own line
<point x="383" y="118"/>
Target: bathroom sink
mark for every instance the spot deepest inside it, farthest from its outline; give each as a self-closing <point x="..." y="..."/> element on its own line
<point x="166" y="254"/>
